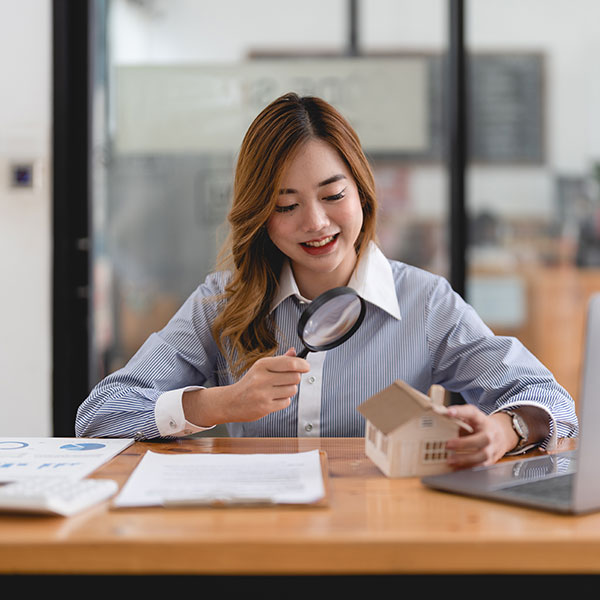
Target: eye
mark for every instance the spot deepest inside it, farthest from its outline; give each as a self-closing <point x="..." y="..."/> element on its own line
<point x="284" y="209"/>
<point x="336" y="196"/>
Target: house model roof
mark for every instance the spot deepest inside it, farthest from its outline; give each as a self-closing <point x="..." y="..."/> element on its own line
<point x="399" y="403"/>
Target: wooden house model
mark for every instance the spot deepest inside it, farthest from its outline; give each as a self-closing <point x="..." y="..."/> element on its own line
<point x="406" y="430"/>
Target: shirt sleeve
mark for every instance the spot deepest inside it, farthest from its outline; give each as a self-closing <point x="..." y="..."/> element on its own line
<point x="144" y="399"/>
<point x="493" y="372"/>
<point x="169" y="416"/>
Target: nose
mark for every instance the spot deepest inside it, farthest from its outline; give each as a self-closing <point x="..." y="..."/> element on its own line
<point x="315" y="217"/>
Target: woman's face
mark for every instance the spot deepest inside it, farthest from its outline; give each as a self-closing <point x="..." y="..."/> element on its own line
<point x="318" y="218"/>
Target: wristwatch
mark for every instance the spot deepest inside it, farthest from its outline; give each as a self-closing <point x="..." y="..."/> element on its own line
<point x="520" y="428"/>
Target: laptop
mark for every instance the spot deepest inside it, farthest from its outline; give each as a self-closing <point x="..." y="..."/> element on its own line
<point x="565" y="482"/>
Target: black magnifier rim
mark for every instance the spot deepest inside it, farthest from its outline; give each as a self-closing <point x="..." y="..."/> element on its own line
<point x="314" y="306"/>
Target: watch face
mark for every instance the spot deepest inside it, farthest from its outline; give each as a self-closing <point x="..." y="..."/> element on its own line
<point x="523" y="427"/>
<point x="520" y="427"/>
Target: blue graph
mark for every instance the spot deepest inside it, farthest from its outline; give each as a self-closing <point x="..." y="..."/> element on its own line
<point x="9" y="445"/>
<point x="83" y="446"/>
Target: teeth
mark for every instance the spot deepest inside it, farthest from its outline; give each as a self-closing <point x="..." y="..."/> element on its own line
<point x="321" y="242"/>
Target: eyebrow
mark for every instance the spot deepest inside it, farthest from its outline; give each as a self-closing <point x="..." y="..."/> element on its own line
<point x="327" y="181"/>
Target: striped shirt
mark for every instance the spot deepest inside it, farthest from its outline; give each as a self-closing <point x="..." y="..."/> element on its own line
<point x="416" y="328"/>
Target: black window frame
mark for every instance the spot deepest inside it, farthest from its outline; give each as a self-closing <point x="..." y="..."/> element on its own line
<point x="70" y="200"/>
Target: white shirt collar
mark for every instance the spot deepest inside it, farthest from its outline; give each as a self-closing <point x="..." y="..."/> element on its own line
<point x="372" y="279"/>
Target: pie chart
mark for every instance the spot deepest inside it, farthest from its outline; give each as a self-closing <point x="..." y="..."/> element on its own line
<point x="10" y="445"/>
<point x="83" y="446"/>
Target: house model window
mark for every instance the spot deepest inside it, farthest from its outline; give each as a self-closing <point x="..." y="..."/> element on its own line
<point x="407" y="431"/>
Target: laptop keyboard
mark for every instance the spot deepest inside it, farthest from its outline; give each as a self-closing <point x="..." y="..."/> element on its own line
<point x="555" y="489"/>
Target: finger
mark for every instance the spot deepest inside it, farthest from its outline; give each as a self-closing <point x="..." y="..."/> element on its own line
<point x="467" y="443"/>
<point x="291" y="352"/>
<point x="286" y="378"/>
<point x="468" y="460"/>
<point x="270" y="407"/>
<point x="278" y="376"/>
<point x="477" y="449"/>
<point x="475" y="419"/>
<point x="280" y="364"/>
<point x="468" y="413"/>
<point x="280" y="404"/>
<point x="284" y="392"/>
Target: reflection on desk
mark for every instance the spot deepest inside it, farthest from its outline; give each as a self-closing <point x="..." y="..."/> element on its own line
<point x="372" y="525"/>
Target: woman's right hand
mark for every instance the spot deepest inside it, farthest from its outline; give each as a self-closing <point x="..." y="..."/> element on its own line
<point x="267" y="386"/>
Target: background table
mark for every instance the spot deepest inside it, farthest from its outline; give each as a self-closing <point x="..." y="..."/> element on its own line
<point x="372" y="525"/>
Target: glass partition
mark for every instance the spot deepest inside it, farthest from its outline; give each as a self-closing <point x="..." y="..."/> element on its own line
<point x="178" y="83"/>
<point x="533" y="196"/>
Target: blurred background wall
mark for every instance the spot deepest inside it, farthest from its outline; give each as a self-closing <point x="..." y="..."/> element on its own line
<point x="175" y="83"/>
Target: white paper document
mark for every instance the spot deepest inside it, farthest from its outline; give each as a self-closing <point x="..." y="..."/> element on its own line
<point x="23" y="458"/>
<point x="224" y="479"/>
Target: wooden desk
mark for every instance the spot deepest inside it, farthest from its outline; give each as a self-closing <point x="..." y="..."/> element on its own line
<point x="373" y="525"/>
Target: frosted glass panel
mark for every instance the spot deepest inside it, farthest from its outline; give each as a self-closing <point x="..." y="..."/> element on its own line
<point x="178" y="83"/>
<point x="535" y="215"/>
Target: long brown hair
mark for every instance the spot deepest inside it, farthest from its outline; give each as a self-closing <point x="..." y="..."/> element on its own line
<point x="244" y="329"/>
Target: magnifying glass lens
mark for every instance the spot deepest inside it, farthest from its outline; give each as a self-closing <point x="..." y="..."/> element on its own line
<point x="332" y="320"/>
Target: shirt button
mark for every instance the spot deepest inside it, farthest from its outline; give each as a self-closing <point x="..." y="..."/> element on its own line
<point x="312" y="379"/>
<point x="308" y="427"/>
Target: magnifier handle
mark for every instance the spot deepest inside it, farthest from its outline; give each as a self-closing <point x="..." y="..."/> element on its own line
<point x="304" y="353"/>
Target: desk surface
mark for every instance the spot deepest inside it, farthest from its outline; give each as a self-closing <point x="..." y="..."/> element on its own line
<point x="372" y="525"/>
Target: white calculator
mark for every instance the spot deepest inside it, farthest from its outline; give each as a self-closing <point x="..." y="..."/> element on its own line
<point x="54" y="496"/>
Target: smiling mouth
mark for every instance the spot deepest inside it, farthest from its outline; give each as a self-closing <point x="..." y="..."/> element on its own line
<point x="320" y="243"/>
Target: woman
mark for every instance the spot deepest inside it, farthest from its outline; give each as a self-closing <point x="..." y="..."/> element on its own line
<point x="302" y="222"/>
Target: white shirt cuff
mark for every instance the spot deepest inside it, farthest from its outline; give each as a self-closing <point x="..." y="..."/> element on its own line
<point x="169" y="416"/>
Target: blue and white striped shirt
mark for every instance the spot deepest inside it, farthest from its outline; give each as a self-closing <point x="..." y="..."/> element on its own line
<point x="416" y="328"/>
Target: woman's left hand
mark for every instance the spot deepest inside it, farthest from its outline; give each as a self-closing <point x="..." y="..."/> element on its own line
<point x="492" y="437"/>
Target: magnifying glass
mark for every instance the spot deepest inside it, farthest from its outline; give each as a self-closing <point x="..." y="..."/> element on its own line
<point x="330" y="319"/>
